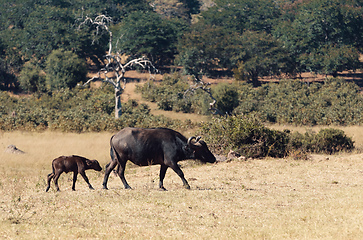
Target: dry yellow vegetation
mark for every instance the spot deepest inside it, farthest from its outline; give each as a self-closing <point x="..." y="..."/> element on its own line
<point x="319" y="198"/>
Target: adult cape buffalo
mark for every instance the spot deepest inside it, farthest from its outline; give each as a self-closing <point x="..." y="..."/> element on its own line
<point x="154" y="146"/>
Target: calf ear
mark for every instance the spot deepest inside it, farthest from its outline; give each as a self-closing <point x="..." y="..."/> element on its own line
<point x="89" y="162"/>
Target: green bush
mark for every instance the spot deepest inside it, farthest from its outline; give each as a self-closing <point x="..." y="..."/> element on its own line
<point x="172" y="94"/>
<point x="169" y="94"/>
<point x="31" y="78"/>
<point x="249" y="137"/>
<point x="76" y="110"/>
<point x="226" y="96"/>
<point x="332" y="140"/>
<point x="294" y="102"/>
<point x="64" y="69"/>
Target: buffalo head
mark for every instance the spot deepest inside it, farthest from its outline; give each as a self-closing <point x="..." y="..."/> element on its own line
<point x="200" y="150"/>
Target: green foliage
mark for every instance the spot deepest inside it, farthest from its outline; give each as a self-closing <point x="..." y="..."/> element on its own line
<point x="327" y="141"/>
<point x="182" y="9"/>
<point x="321" y="35"/>
<point x="31" y="78"/>
<point x="7" y="80"/>
<point x="76" y="110"/>
<point x="226" y="96"/>
<point x="247" y="136"/>
<point x="241" y="15"/>
<point x="332" y="59"/>
<point x="169" y="94"/>
<point x="261" y="55"/>
<point x="288" y="102"/>
<point x="64" y="69"/>
<point x="205" y="48"/>
<point x="332" y="140"/>
<point x="147" y="34"/>
<point x="250" y="138"/>
<point x="294" y="102"/>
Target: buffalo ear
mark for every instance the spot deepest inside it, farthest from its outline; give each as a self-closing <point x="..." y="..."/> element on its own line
<point x="187" y="148"/>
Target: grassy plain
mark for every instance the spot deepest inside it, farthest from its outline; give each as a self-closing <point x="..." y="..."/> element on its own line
<point x="319" y="198"/>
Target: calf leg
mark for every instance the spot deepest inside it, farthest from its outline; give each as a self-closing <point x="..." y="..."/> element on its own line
<point x="50" y="176"/>
<point x="74" y="180"/>
<point x="83" y="174"/>
<point x="163" y="169"/>
<point x="180" y="173"/>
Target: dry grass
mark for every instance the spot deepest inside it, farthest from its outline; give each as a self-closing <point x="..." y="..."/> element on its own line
<point x="320" y="198"/>
<point x="129" y="93"/>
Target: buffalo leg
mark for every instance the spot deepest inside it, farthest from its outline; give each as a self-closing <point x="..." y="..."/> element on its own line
<point x="56" y="177"/>
<point x="163" y="169"/>
<point x="108" y="170"/>
<point x="121" y="174"/>
<point x="180" y="173"/>
<point x="50" y="176"/>
<point x="83" y="174"/>
<point x="74" y="181"/>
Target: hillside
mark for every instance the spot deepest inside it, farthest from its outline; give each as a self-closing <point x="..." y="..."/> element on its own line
<point x="137" y="78"/>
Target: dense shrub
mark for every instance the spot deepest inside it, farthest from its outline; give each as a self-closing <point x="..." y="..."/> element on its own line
<point x="31" y="78"/>
<point x="226" y="96"/>
<point x="332" y="140"/>
<point x="249" y="137"/>
<point x="64" y="69"/>
<point x="169" y="94"/>
<point x="334" y="101"/>
<point x="174" y="93"/>
<point x="77" y="110"/>
<point x="294" y="102"/>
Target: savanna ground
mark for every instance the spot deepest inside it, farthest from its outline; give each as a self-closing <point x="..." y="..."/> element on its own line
<point x="318" y="198"/>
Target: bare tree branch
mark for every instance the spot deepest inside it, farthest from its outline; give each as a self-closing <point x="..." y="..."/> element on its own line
<point x="200" y="84"/>
<point x="114" y="70"/>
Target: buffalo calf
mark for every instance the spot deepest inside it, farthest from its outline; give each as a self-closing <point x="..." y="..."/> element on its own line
<point x="75" y="164"/>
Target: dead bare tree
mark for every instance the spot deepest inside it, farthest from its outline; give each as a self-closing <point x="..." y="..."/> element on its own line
<point x="200" y="84"/>
<point x="114" y="70"/>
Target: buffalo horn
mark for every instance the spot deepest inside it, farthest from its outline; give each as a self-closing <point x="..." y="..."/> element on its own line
<point x="193" y="138"/>
<point x="190" y="141"/>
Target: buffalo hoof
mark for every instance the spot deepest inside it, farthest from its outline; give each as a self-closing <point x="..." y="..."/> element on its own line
<point x="91" y="188"/>
<point x="163" y="189"/>
<point x="104" y="187"/>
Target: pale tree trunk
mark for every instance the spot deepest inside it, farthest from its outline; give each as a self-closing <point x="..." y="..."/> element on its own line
<point x="118" y="105"/>
<point x="114" y="66"/>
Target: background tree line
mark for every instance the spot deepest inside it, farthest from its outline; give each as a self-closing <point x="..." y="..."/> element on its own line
<point x="245" y="134"/>
<point x="248" y="39"/>
<point x="43" y="51"/>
